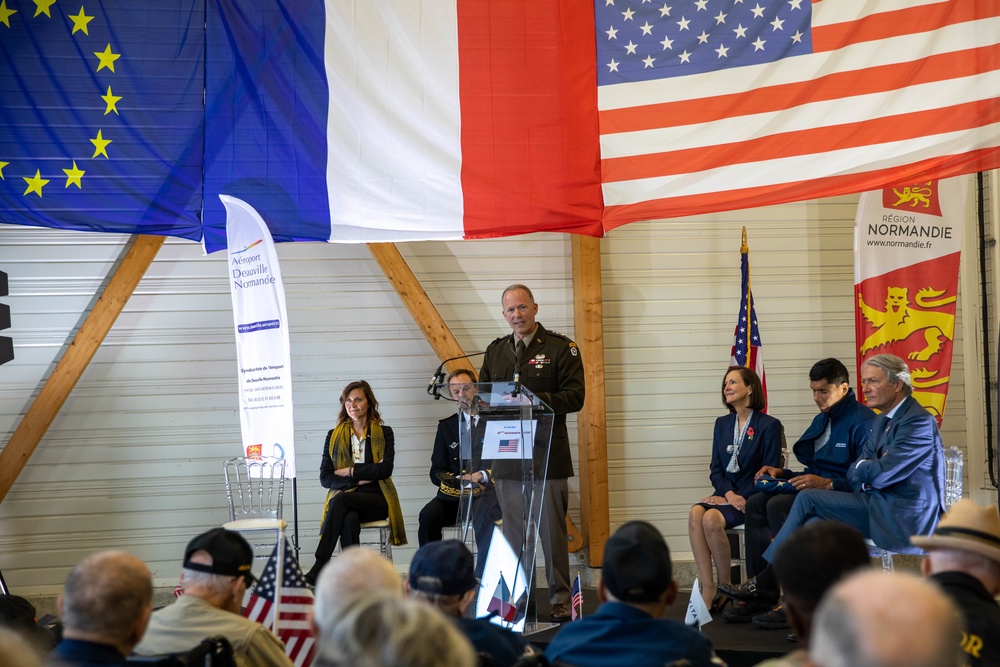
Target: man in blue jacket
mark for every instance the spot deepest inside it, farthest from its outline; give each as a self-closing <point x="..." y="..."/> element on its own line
<point x="630" y="628"/>
<point x="827" y="449"/>
<point x="898" y="480"/>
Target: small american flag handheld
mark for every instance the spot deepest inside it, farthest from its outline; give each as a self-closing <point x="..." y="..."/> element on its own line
<point x="294" y="600"/>
<point x="576" y="607"/>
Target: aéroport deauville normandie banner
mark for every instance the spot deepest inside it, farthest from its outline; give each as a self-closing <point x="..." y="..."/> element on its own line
<point x="262" y="349"/>
<point x="907" y="247"/>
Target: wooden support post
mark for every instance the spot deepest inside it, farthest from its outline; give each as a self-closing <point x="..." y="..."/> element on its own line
<point x="74" y="361"/>
<point x="592" y="433"/>
<point x="422" y="309"/>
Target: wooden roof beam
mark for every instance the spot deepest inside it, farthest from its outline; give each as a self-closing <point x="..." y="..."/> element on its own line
<point x="70" y="367"/>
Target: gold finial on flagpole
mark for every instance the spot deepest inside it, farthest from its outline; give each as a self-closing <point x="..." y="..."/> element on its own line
<point x="744" y="248"/>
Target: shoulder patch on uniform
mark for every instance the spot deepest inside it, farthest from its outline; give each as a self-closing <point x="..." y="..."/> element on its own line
<point x="573" y="349"/>
<point x="498" y="340"/>
<point x="561" y="335"/>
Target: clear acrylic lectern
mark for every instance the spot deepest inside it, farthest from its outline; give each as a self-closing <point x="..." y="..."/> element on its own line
<point x="504" y="437"/>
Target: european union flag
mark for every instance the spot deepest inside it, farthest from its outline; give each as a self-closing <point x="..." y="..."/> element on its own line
<point x="102" y="115"/>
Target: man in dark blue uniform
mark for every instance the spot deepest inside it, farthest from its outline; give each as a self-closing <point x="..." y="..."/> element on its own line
<point x="549" y="365"/>
<point x="448" y="472"/>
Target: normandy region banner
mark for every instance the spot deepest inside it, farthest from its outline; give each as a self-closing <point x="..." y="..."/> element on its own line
<point x="263" y="352"/>
<point x="907" y="247"/>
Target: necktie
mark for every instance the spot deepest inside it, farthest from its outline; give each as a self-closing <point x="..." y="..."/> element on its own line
<point x="519" y="348"/>
<point x="880" y="436"/>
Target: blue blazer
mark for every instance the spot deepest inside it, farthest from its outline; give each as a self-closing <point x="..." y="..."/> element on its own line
<point x="763" y="449"/>
<point x="902" y="467"/>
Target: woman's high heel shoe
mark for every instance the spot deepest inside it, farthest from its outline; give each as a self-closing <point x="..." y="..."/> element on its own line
<point x="719" y="604"/>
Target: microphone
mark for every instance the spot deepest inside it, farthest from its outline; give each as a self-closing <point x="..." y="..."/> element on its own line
<point x="437" y="380"/>
<point x="434" y="386"/>
<point x="517" y="374"/>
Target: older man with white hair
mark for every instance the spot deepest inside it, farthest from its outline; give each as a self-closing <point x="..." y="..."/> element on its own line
<point x="354" y="574"/>
<point x="879" y="619"/>
<point x="215" y="576"/>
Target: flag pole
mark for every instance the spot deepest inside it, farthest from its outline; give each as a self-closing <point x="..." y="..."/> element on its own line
<point x="745" y="253"/>
<point x="295" y="517"/>
<point x="279" y="575"/>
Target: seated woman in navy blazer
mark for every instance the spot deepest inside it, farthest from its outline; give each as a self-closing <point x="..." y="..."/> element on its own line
<point x="744" y="440"/>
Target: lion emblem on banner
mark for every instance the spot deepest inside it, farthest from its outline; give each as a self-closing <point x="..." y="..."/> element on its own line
<point x="899" y="320"/>
<point x="913" y="196"/>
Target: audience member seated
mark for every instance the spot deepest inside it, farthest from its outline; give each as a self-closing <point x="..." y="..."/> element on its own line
<point x="898" y="480"/>
<point x="382" y="630"/>
<point x="19" y="615"/>
<point x="443" y="575"/>
<point x="356" y="572"/>
<point x="827" y="448"/>
<point x="963" y="558"/>
<point x="812" y="560"/>
<point x="16" y="650"/>
<point x="878" y="619"/>
<point x="630" y="628"/>
<point x="215" y="576"/>
<point x="744" y="441"/>
<point x="104" y="607"/>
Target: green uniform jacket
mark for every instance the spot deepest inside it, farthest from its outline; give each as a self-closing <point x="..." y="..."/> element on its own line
<point x="552" y="370"/>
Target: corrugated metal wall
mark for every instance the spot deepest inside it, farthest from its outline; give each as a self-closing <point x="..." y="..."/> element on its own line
<point x="133" y="459"/>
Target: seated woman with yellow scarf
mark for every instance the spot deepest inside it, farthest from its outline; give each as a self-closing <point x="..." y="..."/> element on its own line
<point x="357" y="468"/>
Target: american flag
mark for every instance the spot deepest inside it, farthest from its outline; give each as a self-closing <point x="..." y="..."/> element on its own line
<point x="747" y="346"/>
<point x="714" y="105"/>
<point x="577" y="601"/>
<point x="293" y="605"/>
<point x="508" y="446"/>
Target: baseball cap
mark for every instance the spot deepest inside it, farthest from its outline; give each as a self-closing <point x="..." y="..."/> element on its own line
<point x="231" y="554"/>
<point x="636" y="563"/>
<point x="445" y="567"/>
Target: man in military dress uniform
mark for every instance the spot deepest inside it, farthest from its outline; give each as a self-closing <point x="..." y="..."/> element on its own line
<point x="549" y="365"/>
<point x="448" y="473"/>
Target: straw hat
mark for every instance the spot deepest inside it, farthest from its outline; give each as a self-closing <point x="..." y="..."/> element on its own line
<point x="966" y="527"/>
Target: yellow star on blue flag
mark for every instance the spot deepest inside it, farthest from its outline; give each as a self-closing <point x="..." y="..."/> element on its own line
<point x="114" y="90"/>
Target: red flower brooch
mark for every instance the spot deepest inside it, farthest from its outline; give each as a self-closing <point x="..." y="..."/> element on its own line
<point x="750" y="433"/>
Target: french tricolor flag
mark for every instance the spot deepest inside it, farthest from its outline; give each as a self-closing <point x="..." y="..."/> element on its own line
<point x="422" y="120"/>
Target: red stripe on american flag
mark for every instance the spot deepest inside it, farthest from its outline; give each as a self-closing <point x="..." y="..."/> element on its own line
<point x="901" y="22"/>
<point x="800" y="134"/>
<point x="805" y="142"/>
<point x="766" y="195"/>
<point x="879" y="79"/>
